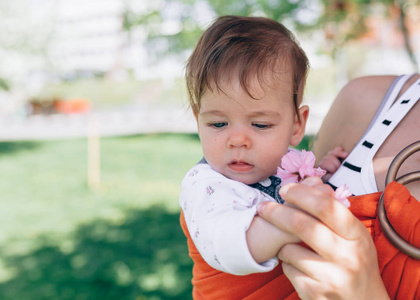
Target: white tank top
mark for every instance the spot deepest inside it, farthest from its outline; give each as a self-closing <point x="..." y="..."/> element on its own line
<point x="356" y="171"/>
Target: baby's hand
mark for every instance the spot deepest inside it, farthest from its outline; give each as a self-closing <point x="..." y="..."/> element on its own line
<point x="332" y="161"/>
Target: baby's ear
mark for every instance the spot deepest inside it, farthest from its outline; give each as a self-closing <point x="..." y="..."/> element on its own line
<point x="299" y="125"/>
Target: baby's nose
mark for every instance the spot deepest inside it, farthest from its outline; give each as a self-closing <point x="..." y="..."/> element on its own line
<point x="239" y="138"/>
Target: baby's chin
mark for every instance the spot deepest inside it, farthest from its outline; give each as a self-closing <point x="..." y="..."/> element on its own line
<point x="248" y="180"/>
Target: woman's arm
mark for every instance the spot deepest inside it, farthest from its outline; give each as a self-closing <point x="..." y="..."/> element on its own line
<point x="342" y="263"/>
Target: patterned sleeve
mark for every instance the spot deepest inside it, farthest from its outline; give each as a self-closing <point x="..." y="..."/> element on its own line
<point x="218" y="212"/>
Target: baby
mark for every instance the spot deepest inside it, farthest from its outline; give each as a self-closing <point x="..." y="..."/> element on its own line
<point x="245" y="80"/>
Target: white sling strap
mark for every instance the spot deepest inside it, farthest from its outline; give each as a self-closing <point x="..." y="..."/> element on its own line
<point x="356" y="170"/>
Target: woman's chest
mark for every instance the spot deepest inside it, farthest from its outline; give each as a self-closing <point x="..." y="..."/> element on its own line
<point x="406" y="133"/>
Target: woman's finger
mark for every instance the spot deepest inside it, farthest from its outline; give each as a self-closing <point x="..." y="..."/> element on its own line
<point x="331" y="286"/>
<point x="307" y="228"/>
<point x="301" y="258"/>
<point x="305" y="286"/>
<point x="343" y="261"/>
<point x="312" y="181"/>
<point x="310" y="275"/>
<point x="319" y="202"/>
<point x="318" y="184"/>
<point x="351" y="272"/>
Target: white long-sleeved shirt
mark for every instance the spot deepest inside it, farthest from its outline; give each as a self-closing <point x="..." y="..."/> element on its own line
<point x="218" y="211"/>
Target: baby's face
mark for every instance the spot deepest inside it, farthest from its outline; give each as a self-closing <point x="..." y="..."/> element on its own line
<point x="244" y="139"/>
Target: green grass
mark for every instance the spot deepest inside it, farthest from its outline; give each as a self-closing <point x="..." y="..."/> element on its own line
<point x="62" y="240"/>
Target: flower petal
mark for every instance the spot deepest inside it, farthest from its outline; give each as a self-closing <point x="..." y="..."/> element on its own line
<point x="341" y="194"/>
<point x="282" y="173"/>
<point x="345" y="202"/>
<point x="291" y="179"/>
<point x="291" y="162"/>
<point x="286" y="177"/>
<point x="308" y="158"/>
<point x="306" y="171"/>
<point x="319" y="172"/>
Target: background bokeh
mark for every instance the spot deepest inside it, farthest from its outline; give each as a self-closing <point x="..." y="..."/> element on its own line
<point x="96" y="134"/>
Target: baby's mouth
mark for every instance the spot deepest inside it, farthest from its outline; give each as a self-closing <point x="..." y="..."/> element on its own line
<point x="240" y="166"/>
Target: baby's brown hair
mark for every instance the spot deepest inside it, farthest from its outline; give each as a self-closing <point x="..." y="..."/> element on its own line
<point x="248" y="46"/>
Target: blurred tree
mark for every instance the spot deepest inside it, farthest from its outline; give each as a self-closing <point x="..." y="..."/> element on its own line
<point x="173" y="26"/>
<point x="26" y="28"/>
<point x="4" y="85"/>
<point x="345" y="20"/>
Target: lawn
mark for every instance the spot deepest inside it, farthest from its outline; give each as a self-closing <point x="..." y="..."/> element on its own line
<point x="62" y="240"/>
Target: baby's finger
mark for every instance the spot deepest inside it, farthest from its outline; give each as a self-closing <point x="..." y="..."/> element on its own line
<point x="338" y="152"/>
<point x="330" y="163"/>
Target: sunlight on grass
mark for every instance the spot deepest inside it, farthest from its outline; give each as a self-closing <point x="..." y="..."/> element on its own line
<point x="46" y="185"/>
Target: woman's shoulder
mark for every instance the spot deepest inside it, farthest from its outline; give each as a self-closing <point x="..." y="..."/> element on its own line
<point x="365" y="94"/>
<point x="365" y="90"/>
<point x="351" y="113"/>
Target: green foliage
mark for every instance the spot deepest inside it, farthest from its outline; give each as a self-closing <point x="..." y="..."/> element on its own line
<point x="341" y="20"/>
<point x="276" y="10"/>
<point x="306" y="142"/>
<point x="184" y="13"/>
<point x="345" y="20"/>
<point x="4" y="85"/>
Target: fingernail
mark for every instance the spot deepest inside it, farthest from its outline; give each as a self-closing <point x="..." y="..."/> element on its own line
<point x="261" y="206"/>
<point x="283" y="190"/>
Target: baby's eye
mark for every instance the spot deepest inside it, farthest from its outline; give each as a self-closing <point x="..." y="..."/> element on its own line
<point x="218" y="124"/>
<point x="261" y="126"/>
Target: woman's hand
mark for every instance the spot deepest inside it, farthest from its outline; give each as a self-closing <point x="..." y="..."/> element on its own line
<point x="342" y="263"/>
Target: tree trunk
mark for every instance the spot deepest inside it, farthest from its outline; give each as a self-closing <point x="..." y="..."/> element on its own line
<point x="406" y="35"/>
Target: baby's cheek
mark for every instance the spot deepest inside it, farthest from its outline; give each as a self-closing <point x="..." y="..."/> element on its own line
<point x="271" y="168"/>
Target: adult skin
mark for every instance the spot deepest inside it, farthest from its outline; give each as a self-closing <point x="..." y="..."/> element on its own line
<point x="343" y="263"/>
<point x="350" y="116"/>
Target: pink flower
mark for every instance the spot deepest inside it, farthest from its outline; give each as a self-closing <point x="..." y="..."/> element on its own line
<point x="296" y="166"/>
<point x="341" y="194"/>
<point x="287" y="177"/>
<point x="292" y="161"/>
